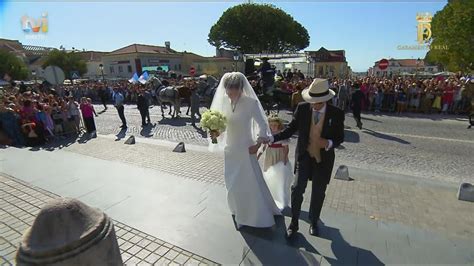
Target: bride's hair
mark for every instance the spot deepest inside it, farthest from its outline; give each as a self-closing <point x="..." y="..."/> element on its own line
<point x="234" y="80"/>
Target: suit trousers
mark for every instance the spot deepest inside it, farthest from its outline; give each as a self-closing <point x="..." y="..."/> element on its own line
<point x="307" y="168"/>
<point x="120" y="110"/>
<point x="356" y="113"/>
<point x="145" y="114"/>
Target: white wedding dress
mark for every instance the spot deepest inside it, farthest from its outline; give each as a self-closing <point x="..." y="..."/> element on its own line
<point x="248" y="196"/>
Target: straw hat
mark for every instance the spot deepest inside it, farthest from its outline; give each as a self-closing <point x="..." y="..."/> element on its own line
<point x="318" y="92"/>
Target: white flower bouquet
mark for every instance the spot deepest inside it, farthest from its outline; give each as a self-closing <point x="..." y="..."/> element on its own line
<point x="215" y="122"/>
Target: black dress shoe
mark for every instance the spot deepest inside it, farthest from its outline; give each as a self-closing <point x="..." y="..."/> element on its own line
<point x="313" y="230"/>
<point x="291" y="232"/>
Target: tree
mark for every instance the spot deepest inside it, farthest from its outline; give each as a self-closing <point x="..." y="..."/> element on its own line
<point x="67" y="61"/>
<point x="256" y="28"/>
<point x="12" y="65"/>
<point x="452" y="29"/>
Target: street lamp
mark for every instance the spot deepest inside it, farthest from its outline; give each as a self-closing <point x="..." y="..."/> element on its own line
<point x="236" y="59"/>
<point x="417" y="64"/>
<point x="101" y="67"/>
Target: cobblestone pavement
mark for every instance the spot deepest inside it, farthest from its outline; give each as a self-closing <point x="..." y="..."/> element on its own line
<point x="20" y="203"/>
<point x="167" y="128"/>
<point x="427" y="146"/>
<point x="427" y="207"/>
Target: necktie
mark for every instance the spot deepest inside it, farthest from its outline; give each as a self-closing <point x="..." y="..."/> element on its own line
<point x="316" y="117"/>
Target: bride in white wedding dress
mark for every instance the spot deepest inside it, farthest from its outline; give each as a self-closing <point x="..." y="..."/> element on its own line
<point x="248" y="196"/>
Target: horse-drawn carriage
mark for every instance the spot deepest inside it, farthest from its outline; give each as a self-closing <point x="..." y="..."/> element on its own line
<point x="175" y="95"/>
<point x="205" y="86"/>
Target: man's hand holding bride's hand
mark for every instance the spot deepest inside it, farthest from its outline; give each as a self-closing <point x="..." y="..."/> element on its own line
<point x="254" y="149"/>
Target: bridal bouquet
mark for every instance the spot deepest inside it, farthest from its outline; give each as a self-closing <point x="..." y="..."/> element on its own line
<point x="215" y="122"/>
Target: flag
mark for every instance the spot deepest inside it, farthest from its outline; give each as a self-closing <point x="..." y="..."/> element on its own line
<point x="143" y="78"/>
<point x="134" y="79"/>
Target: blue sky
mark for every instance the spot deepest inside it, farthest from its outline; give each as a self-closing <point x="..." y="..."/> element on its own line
<point x="367" y="31"/>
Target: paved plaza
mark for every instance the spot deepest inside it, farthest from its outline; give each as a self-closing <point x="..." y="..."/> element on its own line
<point x="401" y="207"/>
<point x="21" y="202"/>
<point x="432" y="146"/>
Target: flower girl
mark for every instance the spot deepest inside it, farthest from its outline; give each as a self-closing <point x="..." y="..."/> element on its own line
<point x="277" y="169"/>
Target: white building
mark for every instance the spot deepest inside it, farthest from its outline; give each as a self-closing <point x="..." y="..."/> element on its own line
<point x="321" y="63"/>
<point x="284" y="61"/>
<point x="400" y="67"/>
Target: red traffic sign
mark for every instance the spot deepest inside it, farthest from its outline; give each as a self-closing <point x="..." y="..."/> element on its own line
<point x="383" y="64"/>
<point x="192" y="71"/>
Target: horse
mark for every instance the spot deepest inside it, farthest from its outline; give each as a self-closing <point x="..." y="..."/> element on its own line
<point x="185" y="96"/>
<point x="166" y="94"/>
<point x="207" y="87"/>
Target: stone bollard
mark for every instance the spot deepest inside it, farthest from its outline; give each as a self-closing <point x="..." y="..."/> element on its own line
<point x="180" y="147"/>
<point x="342" y="173"/>
<point x="68" y="232"/>
<point x="466" y="192"/>
<point x="130" y="140"/>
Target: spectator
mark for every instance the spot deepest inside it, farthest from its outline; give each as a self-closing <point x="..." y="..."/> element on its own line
<point x="58" y="119"/>
<point x="46" y="122"/>
<point x="88" y="113"/>
<point x="300" y="75"/>
<point x="10" y="124"/>
<point x="437" y="101"/>
<point x="401" y="101"/>
<point x="343" y="96"/>
<point x="378" y="100"/>
<point x="448" y="97"/>
<point x="119" y="99"/>
<point x="73" y="114"/>
<point x="356" y="104"/>
<point x="268" y="76"/>
<point x="143" y="107"/>
<point x="103" y="96"/>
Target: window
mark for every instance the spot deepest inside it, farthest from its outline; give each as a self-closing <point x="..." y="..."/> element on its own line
<point x="129" y="68"/>
<point x="120" y="69"/>
<point x="112" y="69"/>
<point x="175" y="67"/>
<point x="179" y="66"/>
<point x="199" y="68"/>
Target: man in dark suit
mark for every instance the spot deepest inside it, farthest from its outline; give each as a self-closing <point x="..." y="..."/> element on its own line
<point x="320" y="128"/>
<point x="142" y="105"/>
<point x="268" y="76"/>
<point x="103" y="96"/>
<point x="356" y="104"/>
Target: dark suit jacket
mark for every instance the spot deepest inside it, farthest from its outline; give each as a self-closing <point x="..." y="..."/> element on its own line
<point x="357" y="100"/>
<point x="333" y="129"/>
<point x="142" y="103"/>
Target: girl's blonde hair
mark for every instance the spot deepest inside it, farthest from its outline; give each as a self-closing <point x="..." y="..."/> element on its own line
<point x="275" y="119"/>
